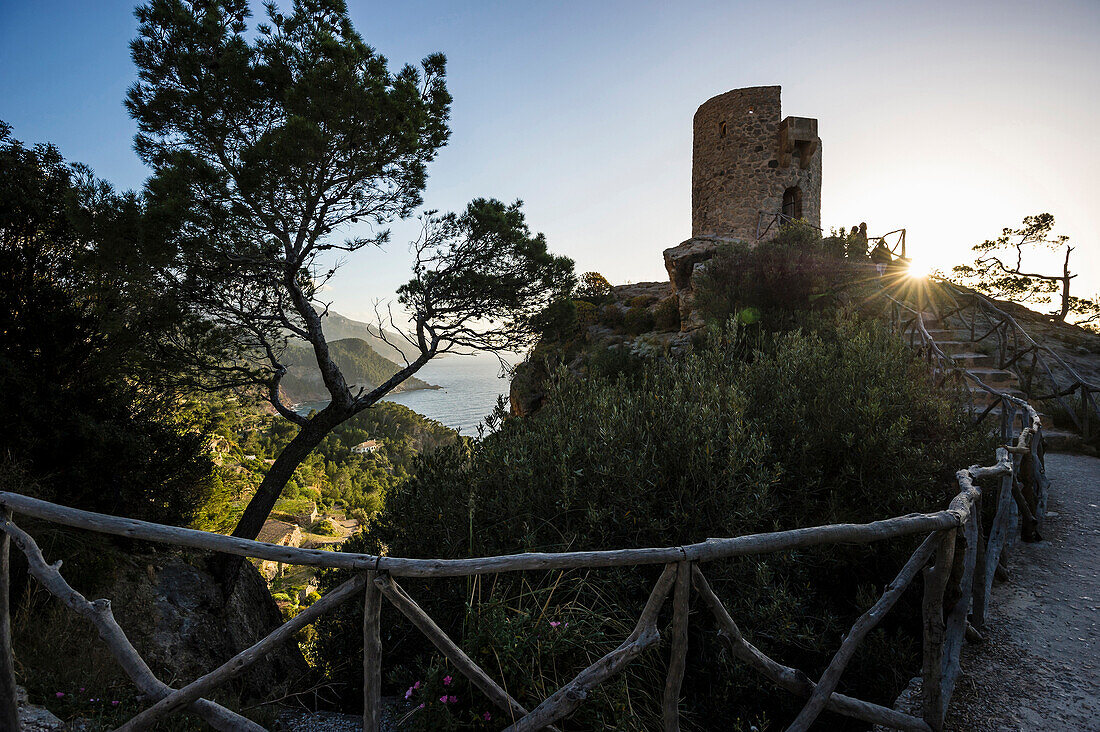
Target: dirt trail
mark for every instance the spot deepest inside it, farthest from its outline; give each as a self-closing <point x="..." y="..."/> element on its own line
<point x="1039" y="668"/>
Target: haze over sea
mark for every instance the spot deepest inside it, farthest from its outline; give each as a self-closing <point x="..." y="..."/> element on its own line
<point x="470" y="387"/>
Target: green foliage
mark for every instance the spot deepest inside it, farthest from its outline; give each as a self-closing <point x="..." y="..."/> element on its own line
<point x="781" y="278"/>
<point x="587" y="313"/>
<point x="484" y="265"/>
<point x="91" y="419"/>
<point x="666" y="316"/>
<point x="611" y="315"/>
<point x="999" y="271"/>
<point x="837" y="423"/>
<point x="638" y="320"/>
<point x="593" y="287"/>
<point x="558" y="321"/>
<point x="325" y="527"/>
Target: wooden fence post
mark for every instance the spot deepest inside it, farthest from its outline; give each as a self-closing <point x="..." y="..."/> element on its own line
<point x="677" y="660"/>
<point x="372" y="656"/>
<point x="9" y="703"/>
<point x="935" y="580"/>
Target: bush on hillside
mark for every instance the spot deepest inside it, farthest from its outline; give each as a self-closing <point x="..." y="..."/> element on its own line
<point x="834" y="423"/>
<point x="791" y="274"/>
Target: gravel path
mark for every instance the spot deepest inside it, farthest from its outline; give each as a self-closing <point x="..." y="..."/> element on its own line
<point x="1039" y="668"/>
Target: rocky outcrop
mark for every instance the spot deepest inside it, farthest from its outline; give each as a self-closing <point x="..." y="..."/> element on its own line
<point x="681" y="260"/>
<point x="172" y="608"/>
<point x="33" y="718"/>
<point x="193" y="630"/>
<point x="684" y="262"/>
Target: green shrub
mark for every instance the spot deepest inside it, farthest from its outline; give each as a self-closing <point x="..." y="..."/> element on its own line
<point x="593" y="287"/>
<point x="611" y="315"/>
<point x="558" y="321"/>
<point x="638" y="320"/>
<point x="666" y="316"/>
<point x="324" y="527"/>
<point x="586" y="314"/>
<point x="780" y="279"/>
<point x="838" y="424"/>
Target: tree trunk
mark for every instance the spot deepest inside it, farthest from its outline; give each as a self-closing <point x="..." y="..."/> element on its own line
<point x="1065" y="287"/>
<point x="282" y="470"/>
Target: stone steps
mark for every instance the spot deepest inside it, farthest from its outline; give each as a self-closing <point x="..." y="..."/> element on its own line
<point x="956" y="343"/>
<point x="970" y="359"/>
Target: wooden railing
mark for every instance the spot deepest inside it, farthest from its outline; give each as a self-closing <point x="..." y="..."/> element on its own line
<point x="893" y="241"/>
<point x="957" y="560"/>
<point x="1043" y="374"/>
<point x="766" y="222"/>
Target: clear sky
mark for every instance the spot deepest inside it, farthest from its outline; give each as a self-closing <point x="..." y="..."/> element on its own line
<point x="952" y="119"/>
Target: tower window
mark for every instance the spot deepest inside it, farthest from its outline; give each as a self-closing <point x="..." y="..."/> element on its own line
<point x="722" y="128"/>
<point x="792" y="202"/>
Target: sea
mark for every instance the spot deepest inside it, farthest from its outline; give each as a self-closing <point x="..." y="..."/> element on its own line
<point x="470" y="386"/>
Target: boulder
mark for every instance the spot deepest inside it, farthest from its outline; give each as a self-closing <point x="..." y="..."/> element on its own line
<point x="680" y="260"/>
<point x="34" y="718"/>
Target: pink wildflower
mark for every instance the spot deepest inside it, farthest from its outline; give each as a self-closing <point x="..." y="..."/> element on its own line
<point x="421" y="705"/>
<point x="416" y="685"/>
<point x="82" y="688"/>
<point x="409" y="693"/>
<point x="554" y="623"/>
<point x="114" y="703"/>
<point x="443" y="698"/>
<point x="452" y="699"/>
<point x="447" y="680"/>
<point x="59" y="694"/>
<point x="486" y="716"/>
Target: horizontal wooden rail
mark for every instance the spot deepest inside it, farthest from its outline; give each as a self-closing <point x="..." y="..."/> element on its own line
<point x="708" y="550"/>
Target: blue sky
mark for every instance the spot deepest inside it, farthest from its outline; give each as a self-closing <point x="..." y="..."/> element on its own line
<point x="952" y="119"/>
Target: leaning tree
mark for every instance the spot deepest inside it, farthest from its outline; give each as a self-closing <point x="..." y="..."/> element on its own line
<point x="999" y="270"/>
<point x="265" y="149"/>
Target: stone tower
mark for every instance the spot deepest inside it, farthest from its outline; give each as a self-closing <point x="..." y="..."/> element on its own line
<point x="748" y="159"/>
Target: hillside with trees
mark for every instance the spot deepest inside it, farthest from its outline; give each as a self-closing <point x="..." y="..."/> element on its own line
<point x="362" y="366"/>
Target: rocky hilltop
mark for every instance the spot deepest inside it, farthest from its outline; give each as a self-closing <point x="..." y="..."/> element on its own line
<point x="657" y="318"/>
<point x="641" y="319"/>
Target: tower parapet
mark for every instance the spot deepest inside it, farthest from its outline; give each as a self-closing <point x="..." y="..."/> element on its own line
<point x="748" y="159"/>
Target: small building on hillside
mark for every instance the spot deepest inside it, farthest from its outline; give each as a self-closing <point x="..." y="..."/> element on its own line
<point x="281" y="533"/>
<point x="307" y="518"/>
<point x="364" y="448"/>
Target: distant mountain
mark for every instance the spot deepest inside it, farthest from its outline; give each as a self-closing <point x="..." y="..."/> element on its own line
<point x="337" y="327"/>
<point x="361" y="364"/>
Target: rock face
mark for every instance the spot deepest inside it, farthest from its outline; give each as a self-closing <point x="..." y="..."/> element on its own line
<point x="192" y="633"/>
<point x="34" y="718"/>
<point x="683" y="263"/>
<point x="681" y="260"/>
<point x="171" y="607"/>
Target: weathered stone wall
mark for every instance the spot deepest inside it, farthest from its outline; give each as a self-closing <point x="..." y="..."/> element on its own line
<point x="737" y="174"/>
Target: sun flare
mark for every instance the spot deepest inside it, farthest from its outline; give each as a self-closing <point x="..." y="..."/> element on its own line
<point x="918" y="269"/>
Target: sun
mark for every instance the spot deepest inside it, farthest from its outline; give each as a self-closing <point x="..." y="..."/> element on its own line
<point x="918" y="269"/>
